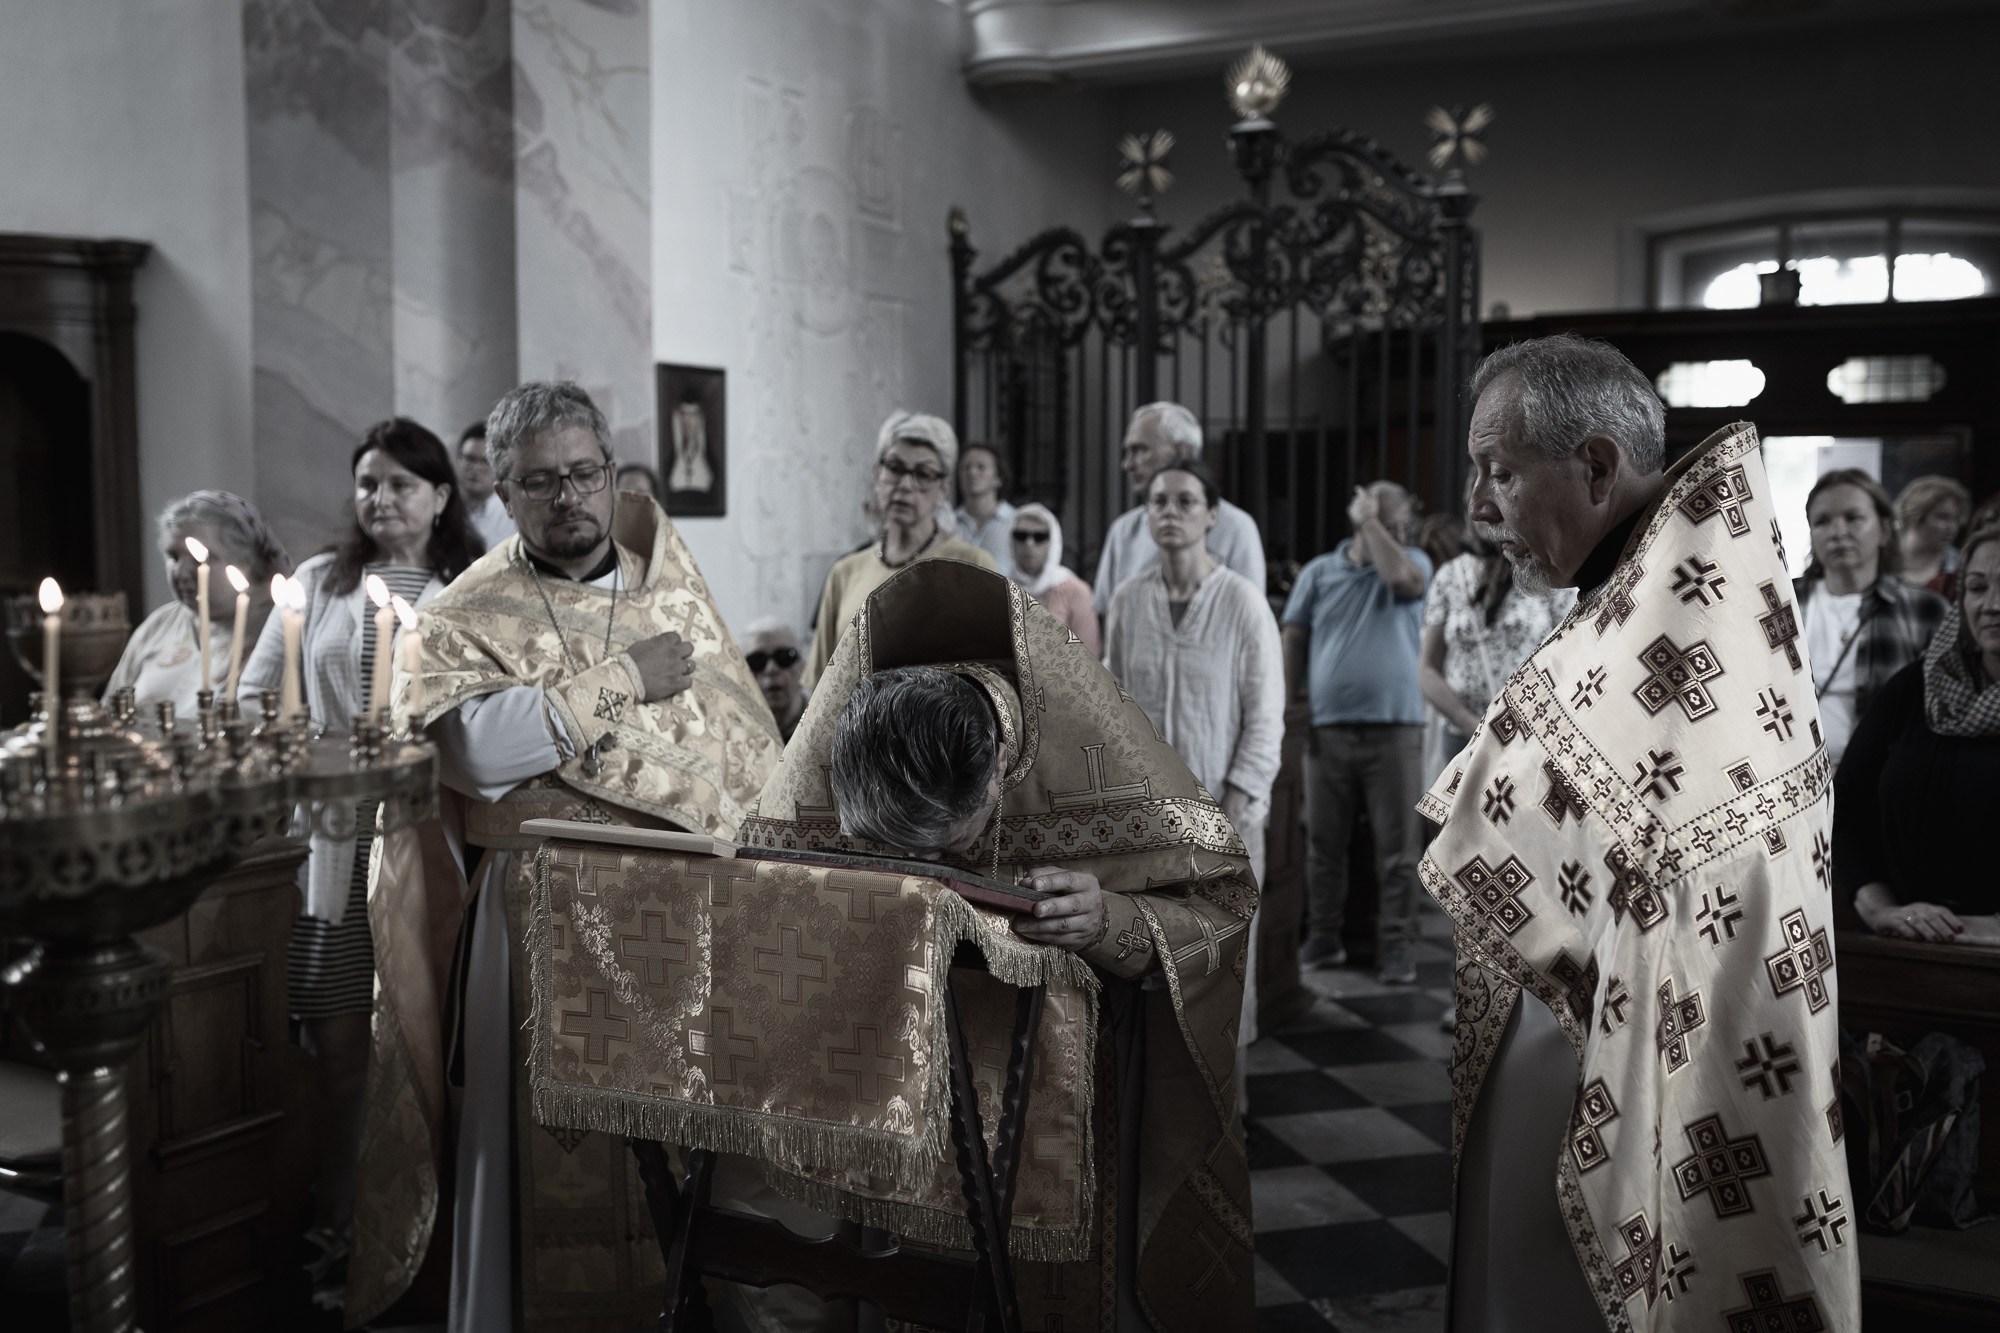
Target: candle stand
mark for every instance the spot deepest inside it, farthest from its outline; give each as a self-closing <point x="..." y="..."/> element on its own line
<point x="117" y="827"/>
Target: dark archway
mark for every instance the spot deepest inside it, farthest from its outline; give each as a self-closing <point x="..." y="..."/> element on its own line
<point x="48" y="524"/>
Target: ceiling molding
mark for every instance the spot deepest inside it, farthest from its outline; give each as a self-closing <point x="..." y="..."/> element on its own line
<point x="1026" y="41"/>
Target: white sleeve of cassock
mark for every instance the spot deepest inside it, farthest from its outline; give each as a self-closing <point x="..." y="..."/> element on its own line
<point x="490" y="745"/>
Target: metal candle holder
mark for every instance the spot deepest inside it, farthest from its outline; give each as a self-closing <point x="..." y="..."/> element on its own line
<point x="116" y="829"/>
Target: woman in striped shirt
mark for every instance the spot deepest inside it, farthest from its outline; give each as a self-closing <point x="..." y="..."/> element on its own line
<point x="410" y="529"/>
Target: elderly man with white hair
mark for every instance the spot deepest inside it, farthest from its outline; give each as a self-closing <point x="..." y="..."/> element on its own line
<point x="1635" y="858"/>
<point x="1161" y="433"/>
<point x="915" y="457"/>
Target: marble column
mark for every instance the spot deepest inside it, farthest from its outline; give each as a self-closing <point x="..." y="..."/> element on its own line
<point x="451" y="161"/>
<point x="322" y="342"/>
<point x="582" y="100"/>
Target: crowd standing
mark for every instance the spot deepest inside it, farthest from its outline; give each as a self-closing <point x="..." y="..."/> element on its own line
<point x="1394" y="645"/>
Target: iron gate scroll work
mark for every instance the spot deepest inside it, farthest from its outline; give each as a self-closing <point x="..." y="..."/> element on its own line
<point x="1361" y="276"/>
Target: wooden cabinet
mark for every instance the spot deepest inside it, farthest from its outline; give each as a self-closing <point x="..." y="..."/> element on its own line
<point x="223" y="1147"/>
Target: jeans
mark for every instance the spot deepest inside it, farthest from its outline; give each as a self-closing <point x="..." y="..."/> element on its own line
<point x="1379" y="764"/>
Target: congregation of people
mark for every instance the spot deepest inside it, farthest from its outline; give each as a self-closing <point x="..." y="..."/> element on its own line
<point x="1387" y="652"/>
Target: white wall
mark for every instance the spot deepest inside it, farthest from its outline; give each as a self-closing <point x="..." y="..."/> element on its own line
<point x="124" y="118"/>
<point x="804" y="155"/>
<point x="1590" y="141"/>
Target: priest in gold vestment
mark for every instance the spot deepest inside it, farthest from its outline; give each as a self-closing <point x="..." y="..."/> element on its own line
<point x="1078" y="796"/>
<point x="579" y="670"/>
<point x="1635" y="857"/>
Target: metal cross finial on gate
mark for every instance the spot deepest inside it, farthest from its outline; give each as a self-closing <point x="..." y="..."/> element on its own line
<point x="1458" y="134"/>
<point x="1144" y="159"/>
<point x="1257" y="82"/>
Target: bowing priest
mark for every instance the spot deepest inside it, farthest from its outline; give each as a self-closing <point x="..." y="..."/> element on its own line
<point x="959" y="721"/>
<point x="1635" y="860"/>
<point x="578" y="670"/>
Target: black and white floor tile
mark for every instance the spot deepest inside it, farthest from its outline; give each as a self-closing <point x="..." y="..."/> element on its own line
<point x="1350" y="1153"/>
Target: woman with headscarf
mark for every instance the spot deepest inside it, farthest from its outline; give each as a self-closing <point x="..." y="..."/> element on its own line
<point x="162" y="659"/>
<point x="1914" y="797"/>
<point x="915" y="457"/>
<point x="1038" y="568"/>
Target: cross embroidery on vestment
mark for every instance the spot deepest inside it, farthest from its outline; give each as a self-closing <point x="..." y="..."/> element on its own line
<point x="1495" y="891"/>
<point x="1803" y="962"/>
<point x="1498" y="802"/>
<point x="1218" y="1261"/>
<point x="610" y="703"/>
<point x="1770" y="1308"/>
<point x="1098" y="796"/>
<point x="1562" y="799"/>
<point x="1827" y="1217"/>
<point x="1579" y="983"/>
<point x="1678" y="675"/>
<point x="1641" y="1270"/>
<point x="1594" y="1110"/>
<point x="1720" y="1166"/>
<point x="1724" y="494"/>
<point x="1575" y="885"/>
<point x="1678" y="1017"/>
<point x="1774" y="1065"/>
<point x="1696" y="579"/>
<point x="1616" y="998"/>
<point x="1777" y="714"/>
<point x="1209" y="946"/>
<point x="1663" y="778"/>
<point x="1588" y="690"/>
<point x="1720" y="918"/>
<point x="1631" y="890"/>
<point x="1780" y="623"/>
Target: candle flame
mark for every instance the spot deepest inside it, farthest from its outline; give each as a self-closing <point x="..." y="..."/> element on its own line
<point x="236" y="579"/>
<point x="405" y="613"/>
<point x="378" y="591"/>
<point x="52" y="598"/>
<point x="278" y="595"/>
<point x="295" y="594"/>
<point x="197" y="550"/>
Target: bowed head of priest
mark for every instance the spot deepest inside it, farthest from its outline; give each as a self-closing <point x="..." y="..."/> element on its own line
<point x="1567" y="441"/>
<point x="917" y="766"/>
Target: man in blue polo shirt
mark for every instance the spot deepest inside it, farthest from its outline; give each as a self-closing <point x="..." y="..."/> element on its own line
<point x="1351" y="631"/>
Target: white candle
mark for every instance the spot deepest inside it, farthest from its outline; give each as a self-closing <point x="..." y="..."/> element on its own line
<point x="287" y="595"/>
<point x="413" y="660"/>
<point x="200" y="553"/>
<point x="52" y="600"/>
<point x="242" y="586"/>
<point x="385" y="629"/>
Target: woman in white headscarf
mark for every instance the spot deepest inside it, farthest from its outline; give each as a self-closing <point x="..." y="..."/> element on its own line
<point x="1038" y="568"/>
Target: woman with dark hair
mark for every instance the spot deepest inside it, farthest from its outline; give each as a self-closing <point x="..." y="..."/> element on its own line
<point x="1914" y="799"/>
<point x="1861" y="626"/>
<point x="410" y="531"/>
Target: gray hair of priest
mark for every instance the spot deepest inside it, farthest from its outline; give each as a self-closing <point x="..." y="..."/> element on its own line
<point x="540" y="405"/>
<point x="1572" y="388"/>
<point x="913" y="754"/>
<point x="1177" y="426"/>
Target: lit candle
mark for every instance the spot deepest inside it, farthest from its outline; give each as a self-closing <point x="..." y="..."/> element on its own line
<point x="385" y="629"/>
<point x="287" y="595"/>
<point x="52" y="600"/>
<point x="200" y="554"/>
<point x="413" y="660"/>
<point x="242" y="586"/>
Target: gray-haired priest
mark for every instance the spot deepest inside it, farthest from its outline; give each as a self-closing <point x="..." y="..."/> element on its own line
<point x="1635" y="858"/>
<point x="578" y="670"/>
<point x="959" y="720"/>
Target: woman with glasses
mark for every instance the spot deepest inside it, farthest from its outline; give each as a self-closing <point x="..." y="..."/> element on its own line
<point x="915" y="457"/>
<point x="1038" y="568"/>
<point x="409" y="530"/>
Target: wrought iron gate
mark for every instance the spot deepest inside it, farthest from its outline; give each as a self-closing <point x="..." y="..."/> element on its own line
<point x="1322" y="336"/>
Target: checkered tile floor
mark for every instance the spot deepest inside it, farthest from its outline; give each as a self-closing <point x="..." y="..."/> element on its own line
<point x="1350" y="1154"/>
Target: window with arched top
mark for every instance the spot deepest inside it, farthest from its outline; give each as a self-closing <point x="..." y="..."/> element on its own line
<point x="1827" y="258"/>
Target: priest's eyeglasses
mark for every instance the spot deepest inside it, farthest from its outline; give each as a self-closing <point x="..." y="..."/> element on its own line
<point x="586" y="480"/>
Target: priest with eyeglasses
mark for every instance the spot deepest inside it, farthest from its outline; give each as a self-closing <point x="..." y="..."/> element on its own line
<point x="579" y="670"/>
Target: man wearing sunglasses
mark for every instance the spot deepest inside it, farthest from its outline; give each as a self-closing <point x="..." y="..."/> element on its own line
<point x="772" y="651"/>
<point x="579" y="670"/>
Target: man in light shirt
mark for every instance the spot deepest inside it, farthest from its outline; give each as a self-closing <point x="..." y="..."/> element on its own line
<point x="475" y="477"/>
<point x="1161" y="433"/>
<point x="985" y="520"/>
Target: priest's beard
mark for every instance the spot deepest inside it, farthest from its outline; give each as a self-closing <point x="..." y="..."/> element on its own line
<point x="1529" y="575"/>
